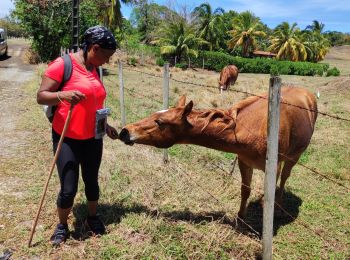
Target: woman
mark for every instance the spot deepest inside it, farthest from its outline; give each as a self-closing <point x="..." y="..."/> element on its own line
<point x="81" y="147"/>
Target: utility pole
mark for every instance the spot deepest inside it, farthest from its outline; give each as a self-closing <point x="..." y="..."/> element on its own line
<point x="75" y="25"/>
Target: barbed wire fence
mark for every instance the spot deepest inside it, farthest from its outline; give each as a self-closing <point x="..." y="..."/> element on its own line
<point x="167" y="78"/>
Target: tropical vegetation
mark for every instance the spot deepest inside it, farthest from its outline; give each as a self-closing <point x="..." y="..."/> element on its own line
<point x="173" y="35"/>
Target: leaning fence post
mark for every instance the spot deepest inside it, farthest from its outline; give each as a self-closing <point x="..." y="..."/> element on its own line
<point x="121" y="93"/>
<point x="166" y="102"/>
<point x="271" y="164"/>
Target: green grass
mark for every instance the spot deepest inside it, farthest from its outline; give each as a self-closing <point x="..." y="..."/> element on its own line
<point x="186" y="209"/>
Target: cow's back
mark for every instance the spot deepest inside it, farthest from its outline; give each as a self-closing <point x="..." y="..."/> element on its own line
<point x="298" y="113"/>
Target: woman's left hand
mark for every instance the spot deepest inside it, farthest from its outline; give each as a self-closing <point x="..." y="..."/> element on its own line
<point x="112" y="132"/>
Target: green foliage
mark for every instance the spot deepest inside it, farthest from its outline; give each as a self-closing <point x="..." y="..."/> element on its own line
<point x="177" y="40"/>
<point x="246" y="29"/>
<point x="209" y="25"/>
<point x="338" y="38"/>
<point x="216" y="61"/>
<point x="160" y="61"/>
<point x="48" y="23"/>
<point x="132" y="61"/>
<point x="87" y="17"/>
<point x="13" y="28"/>
<point x="147" y="18"/>
<point x="181" y="65"/>
<point x="333" y="72"/>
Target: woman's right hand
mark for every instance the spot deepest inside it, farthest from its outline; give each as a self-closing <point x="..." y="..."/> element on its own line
<point x="72" y="96"/>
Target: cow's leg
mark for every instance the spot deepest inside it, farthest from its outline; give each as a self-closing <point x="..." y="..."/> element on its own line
<point x="287" y="168"/>
<point x="246" y="174"/>
<point x="279" y="167"/>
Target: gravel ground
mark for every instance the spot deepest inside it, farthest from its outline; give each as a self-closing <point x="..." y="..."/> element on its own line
<point x="13" y="75"/>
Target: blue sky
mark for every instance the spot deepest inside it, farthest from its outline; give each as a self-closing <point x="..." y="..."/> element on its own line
<point x="334" y="14"/>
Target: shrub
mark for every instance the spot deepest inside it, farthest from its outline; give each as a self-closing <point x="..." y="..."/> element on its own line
<point x="181" y="65"/>
<point x="132" y="61"/>
<point x="333" y="72"/>
<point x="216" y="61"/>
<point x="160" y="61"/>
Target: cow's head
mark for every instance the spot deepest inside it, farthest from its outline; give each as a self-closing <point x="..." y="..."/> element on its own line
<point x="162" y="129"/>
<point x="222" y="86"/>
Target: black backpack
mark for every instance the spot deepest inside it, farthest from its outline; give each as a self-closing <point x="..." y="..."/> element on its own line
<point x="68" y="67"/>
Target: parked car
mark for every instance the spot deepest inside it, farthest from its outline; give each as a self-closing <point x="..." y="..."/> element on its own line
<point x="3" y="42"/>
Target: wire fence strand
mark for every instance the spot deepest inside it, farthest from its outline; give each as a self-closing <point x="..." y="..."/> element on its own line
<point x="238" y="91"/>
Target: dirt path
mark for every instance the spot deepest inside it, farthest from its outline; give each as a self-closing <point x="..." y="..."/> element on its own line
<point x="13" y="75"/>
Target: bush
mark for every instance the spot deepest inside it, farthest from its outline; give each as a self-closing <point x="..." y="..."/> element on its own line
<point x="181" y="65"/>
<point x="333" y="72"/>
<point x="132" y="61"/>
<point x="216" y="61"/>
<point x="160" y="61"/>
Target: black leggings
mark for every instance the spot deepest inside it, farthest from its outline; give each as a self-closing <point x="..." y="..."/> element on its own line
<point x="86" y="153"/>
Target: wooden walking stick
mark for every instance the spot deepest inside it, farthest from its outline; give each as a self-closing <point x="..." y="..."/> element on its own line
<point x="50" y="173"/>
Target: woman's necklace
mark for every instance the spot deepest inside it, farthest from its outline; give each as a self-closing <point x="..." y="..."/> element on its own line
<point x="82" y="62"/>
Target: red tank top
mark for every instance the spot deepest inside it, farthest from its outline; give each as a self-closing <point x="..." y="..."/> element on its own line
<point x="82" y="124"/>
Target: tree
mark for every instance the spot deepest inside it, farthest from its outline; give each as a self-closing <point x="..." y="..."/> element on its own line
<point x="246" y="29"/>
<point x="287" y="42"/>
<point x="148" y="17"/>
<point x="210" y="24"/>
<point x="316" y="44"/>
<point x="316" y="26"/>
<point x="47" y="22"/>
<point x="177" y="39"/>
<point x="110" y="13"/>
<point x="12" y="26"/>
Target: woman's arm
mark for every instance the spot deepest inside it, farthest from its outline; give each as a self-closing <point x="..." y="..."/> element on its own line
<point x="48" y="94"/>
<point x="111" y="132"/>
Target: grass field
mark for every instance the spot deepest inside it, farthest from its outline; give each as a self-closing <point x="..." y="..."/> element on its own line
<point x="187" y="208"/>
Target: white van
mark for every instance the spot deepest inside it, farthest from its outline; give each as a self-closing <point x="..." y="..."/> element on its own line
<point x="3" y="42"/>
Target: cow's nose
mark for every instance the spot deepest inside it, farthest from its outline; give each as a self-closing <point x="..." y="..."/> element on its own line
<point x="124" y="135"/>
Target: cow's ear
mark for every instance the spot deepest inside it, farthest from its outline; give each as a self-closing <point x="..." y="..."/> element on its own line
<point x="187" y="109"/>
<point x="181" y="102"/>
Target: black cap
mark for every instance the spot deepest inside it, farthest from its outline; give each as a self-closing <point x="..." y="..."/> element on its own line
<point x="99" y="35"/>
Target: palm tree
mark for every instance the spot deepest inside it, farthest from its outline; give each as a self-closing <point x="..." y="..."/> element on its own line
<point x="316" y="44"/>
<point x="316" y="26"/>
<point x="177" y="39"/>
<point x="287" y="43"/>
<point x="210" y="25"/>
<point x="110" y="13"/>
<point x="246" y="29"/>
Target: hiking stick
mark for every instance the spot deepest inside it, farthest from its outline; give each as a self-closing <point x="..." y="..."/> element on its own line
<point x="50" y="173"/>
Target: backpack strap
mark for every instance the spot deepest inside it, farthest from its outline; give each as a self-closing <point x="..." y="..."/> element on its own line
<point x="67" y="73"/>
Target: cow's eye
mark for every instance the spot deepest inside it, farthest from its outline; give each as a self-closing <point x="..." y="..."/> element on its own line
<point x="158" y="122"/>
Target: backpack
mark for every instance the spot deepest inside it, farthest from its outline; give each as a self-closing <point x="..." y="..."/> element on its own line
<point x="68" y="67"/>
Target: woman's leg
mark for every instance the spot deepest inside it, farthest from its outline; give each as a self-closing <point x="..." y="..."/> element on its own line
<point x="68" y="171"/>
<point x="90" y="165"/>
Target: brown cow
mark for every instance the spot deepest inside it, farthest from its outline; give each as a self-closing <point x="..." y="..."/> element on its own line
<point x="228" y="76"/>
<point x="242" y="129"/>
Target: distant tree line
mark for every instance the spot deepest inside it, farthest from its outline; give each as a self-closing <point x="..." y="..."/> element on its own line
<point x="178" y="34"/>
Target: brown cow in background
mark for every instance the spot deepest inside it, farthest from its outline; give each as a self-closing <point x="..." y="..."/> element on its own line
<point x="228" y="76"/>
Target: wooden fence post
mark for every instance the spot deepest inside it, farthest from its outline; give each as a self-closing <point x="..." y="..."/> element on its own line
<point x="166" y="102"/>
<point x="271" y="164"/>
<point x="121" y="93"/>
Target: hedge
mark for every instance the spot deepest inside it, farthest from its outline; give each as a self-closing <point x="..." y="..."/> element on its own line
<point x="216" y="61"/>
